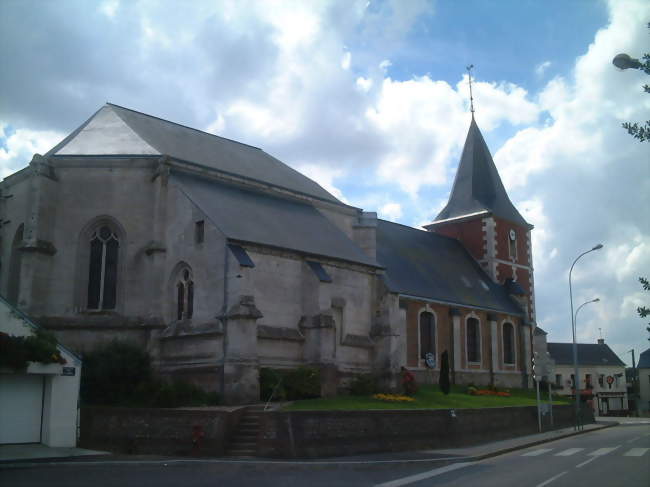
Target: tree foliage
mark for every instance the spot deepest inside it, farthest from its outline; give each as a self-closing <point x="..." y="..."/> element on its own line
<point x="640" y="131"/>
<point x="644" y="311"/>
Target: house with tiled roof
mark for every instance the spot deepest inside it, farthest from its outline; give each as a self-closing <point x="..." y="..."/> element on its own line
<point x="601" y="375"/>
<point x="220" y="260"/>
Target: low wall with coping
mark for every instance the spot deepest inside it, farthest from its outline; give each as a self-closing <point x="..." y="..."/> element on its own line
<point x="311" y="434"/>
<point x="183" y="431"/>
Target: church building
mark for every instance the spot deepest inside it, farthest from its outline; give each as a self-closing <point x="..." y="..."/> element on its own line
<point x="219" y="259"/>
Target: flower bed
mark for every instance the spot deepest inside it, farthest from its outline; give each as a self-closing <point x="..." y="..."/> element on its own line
<point x="393" y="398"/>
<point x="488" y="392"/>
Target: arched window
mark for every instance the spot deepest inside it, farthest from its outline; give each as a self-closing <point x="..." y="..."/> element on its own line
<point x="473" y="340"/>
<point x="184" y="294"/>
<point x="427" y="334"/>
<point x="102" y="268"/>
<point x="508" y="343"/>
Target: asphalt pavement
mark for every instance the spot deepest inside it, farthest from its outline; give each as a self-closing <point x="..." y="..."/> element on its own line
<point x="601" y="456"/>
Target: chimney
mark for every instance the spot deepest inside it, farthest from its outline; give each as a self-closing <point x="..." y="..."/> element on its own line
<point x="601" y="341"/>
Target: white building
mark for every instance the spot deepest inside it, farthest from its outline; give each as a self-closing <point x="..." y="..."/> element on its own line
<point x="601" y="374"/>
<point x="37" y="404"/>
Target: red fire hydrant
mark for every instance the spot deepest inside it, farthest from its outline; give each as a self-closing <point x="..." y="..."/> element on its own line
<point x="197" y="438"/>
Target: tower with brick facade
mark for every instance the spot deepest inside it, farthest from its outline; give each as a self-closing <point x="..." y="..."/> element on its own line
<point x="481" y="216"/>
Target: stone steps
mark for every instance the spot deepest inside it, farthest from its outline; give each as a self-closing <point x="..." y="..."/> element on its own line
<point x="244" y="441"/>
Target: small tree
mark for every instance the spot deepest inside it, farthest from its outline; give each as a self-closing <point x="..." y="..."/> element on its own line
<point x="444" y="373"/>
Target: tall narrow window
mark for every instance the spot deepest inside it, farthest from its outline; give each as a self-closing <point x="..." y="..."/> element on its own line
<point x="473" y="340"/>
<point x="102" y="275"/>
<point x="199" y="231"/>
<point x="184" y="295"/>
<point x="508" y="343"/>
<point x="512" y="244"/>
<point x="427" y="334"/>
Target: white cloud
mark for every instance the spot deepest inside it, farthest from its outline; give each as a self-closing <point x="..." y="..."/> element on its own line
<point x="541" y="68"/>
<point x="594" y="183"/>
<point x="21" y="145"/>
<point x="325" y="177"/>
<point x="109" y="8"/>
<point x="391" y="211"/>
<point x="346" y="60"/>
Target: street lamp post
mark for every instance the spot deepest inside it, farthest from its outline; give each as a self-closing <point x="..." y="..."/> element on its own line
<point x="576" y="378"/>
<point x="635" y="395"/>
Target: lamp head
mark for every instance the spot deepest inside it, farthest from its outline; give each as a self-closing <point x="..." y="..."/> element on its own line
<point x="623" y="61"/>
<point x="598" y="247"/>
<point x="596" y="300"/>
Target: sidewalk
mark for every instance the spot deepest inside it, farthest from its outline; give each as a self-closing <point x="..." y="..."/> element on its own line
<point x="21" y="454"/>
<point x="37" y="451"/>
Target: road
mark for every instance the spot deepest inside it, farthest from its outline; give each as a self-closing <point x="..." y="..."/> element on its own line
<point x="618" y="456"/>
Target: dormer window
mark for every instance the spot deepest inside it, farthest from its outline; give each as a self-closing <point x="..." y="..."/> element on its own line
<point x="512" y="245"/>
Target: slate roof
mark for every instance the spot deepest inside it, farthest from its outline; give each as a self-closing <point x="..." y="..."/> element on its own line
<point x="432" y="266"/>
<point x="250" y="216"/>
<point x="588" y="354"/>
<point x="114" y="130"/>
<point x="644" y="360"/>
<point x="477" y="186"/>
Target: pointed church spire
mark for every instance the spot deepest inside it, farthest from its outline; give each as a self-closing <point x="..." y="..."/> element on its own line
<point x="478" y="187"/>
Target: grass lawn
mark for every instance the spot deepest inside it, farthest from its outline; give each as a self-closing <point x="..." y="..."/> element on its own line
<point x="428" y="397"/>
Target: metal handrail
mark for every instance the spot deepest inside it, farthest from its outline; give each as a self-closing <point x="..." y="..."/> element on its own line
<point x="272" y="393"/>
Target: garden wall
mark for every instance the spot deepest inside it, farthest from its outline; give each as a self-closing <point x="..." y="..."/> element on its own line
<point x="159" y="431"/>
<point x="310" y="434"/>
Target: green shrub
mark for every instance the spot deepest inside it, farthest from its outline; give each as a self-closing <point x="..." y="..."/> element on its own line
<point x="300" y="383"/>
<point x="120" y="374"/>
<point x="16" y="351"/>
<point x="112" y="373"/>
<point x="364" y="385"/>
<point x="269" y="379"/>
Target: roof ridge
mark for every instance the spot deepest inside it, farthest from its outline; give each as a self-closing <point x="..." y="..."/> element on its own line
<point x="427" y="232"/>
<point x="181" y="125"/>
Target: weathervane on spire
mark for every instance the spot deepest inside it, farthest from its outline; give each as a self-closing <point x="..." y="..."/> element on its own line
<point x="471" y="98"/>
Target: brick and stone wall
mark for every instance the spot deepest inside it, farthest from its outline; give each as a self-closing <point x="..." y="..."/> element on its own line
<point x="158" y="431"/>
<point x="311" y="434"/>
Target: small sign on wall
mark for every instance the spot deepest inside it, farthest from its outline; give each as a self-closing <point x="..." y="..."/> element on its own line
<point x="69" y="371"/>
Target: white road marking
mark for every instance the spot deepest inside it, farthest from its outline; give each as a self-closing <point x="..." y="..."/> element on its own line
<point x="568" y="452"/>
<point x="633" y="439"/>
<point x="585" y="463"/>
<point x="546" y="482"/>
<point x="636" y="452"/>
<point x="603" y="451"/>
<point x="534" y="453"/>
<point x="425" y="475"/>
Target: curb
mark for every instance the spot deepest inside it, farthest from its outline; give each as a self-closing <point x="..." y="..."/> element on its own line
<point x="67" y="461"/>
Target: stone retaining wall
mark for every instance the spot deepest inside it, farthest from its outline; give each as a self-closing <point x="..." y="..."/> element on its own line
<point x="159" y="431"/>
<point x="310" y="434"/>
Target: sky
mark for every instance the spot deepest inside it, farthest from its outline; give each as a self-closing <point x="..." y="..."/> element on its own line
<point x="370" y="99"/>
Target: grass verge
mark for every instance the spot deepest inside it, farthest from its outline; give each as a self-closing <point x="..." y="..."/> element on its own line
<point x="428" y="397"/>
